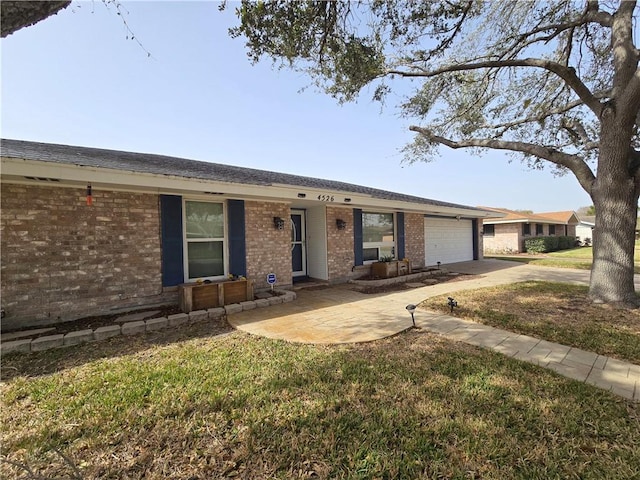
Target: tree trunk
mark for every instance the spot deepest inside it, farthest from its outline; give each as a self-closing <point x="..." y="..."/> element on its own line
<point x="615" y="197"/>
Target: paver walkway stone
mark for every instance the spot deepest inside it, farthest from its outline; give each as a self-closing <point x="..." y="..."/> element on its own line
<point x="341" y="315"/>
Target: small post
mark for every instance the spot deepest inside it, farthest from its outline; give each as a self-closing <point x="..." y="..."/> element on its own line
<point x="411" y="308"/>
<point x="452" y="303"/>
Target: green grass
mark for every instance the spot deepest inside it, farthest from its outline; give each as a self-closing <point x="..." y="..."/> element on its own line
<point x="581" y="253"/>
<point x="580" y="258"/>
<point x="556" y="312"/>
<point x="410" y="406"/>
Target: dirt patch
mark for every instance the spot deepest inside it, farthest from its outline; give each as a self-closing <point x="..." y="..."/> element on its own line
<point x="96" y="321"/>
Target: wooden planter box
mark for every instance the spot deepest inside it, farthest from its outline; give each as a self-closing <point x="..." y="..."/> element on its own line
<point x="194" y="296"/>
<point x="390" y="269"/>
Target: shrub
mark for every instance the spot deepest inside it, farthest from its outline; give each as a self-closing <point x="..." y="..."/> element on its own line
<point x="565" y="242"/>
<point x="539" y="244"/>
<point x="548" y="244"/>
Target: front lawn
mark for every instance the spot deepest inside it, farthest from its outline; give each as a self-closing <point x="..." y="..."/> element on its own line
<point x="557" y="312"/>
<point x="411" y="406"/>
<point x="580" y="258"/>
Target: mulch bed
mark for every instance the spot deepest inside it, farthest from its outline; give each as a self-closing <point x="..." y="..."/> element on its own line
<point x="93" y="322"/>
<point x="396" y="287"/>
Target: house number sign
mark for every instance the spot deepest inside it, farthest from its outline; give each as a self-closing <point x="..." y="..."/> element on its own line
<point x="325" y="198"/>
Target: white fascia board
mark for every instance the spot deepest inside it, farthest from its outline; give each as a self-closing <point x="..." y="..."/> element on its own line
<point x="493" y="222"/>
<point x="76" y="176"/>
<point x="525" y="220"/>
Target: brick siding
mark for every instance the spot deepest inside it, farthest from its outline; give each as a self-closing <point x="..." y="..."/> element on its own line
<point x="507" y="239"/>
<point x="268" y="249"/>
<point x="339" y="244"/>
<point x="62" y="259"/>
<point x="414" y="239"/>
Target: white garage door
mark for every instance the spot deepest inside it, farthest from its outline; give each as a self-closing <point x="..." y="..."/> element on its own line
<point x="447" y="240"/>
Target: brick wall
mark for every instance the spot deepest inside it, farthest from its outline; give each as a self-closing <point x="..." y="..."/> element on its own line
<point x="62" y="259"/>
<point x="414" y="239"/>
<point x="340" y="256"/>
<point x="268" y="249"/>
<point x="507" y="239"/>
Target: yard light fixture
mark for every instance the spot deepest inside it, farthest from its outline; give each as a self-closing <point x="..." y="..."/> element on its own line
<point x="438" y="265"/>
<point x="411" y="308"/>
<point x="452" y="303"/>
<point x="278" y="223"/>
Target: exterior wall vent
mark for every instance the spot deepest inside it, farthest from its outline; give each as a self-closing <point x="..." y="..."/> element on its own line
<point x="43" y="179"/>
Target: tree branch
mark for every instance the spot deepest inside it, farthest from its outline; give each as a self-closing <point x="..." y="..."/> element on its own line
<point x="549" y="113"/>
<point x="567" y="74"/>
<point x="580" y="169"/>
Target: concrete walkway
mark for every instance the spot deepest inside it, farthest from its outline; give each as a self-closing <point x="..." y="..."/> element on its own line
<point x="340" y="315"/>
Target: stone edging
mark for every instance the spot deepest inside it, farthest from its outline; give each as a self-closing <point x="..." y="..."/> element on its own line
<point x="399" y="279"/>
<point x="134" y="328"/>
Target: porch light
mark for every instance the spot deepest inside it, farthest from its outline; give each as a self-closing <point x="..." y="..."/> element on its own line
<point x="341" y="224"/>
<point x="278" y="223"/>
<point x="411" y="308"/>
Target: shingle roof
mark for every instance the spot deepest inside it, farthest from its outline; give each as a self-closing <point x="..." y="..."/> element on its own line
<point x="513" y="216"/>
<point x="180" y="167"/>
<point x="562" y="217"/>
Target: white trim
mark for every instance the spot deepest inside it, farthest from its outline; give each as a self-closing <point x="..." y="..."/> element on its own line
<point x="185" y="241"/>
<point x="379" y="245"/>
<point x="15" y="170"/>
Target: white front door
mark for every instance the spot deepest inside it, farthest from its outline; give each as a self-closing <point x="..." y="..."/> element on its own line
<point x="298" y="244"/>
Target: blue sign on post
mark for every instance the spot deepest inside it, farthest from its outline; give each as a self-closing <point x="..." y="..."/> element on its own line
<point x="271" y="279"/>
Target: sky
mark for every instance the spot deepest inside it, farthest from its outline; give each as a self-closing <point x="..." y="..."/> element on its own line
<point x="78" y="78"/>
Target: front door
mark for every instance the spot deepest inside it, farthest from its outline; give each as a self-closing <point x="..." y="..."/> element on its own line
<point x="298" y="249"/>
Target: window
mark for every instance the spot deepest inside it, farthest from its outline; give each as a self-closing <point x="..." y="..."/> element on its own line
<point x="526" y="229"/>
<point x="539" y="229"/>
<point x="378" y="236"/>
<point x="489" y="230"/>
<point x="552" y="229"/>
<point x="204" y="232"/>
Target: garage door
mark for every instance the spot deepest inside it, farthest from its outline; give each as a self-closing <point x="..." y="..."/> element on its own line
<point x="447" y="240"/>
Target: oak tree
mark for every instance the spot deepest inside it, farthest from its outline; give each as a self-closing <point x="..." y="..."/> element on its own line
<point x="19" y="14"/>
<point x="554" y="82"/>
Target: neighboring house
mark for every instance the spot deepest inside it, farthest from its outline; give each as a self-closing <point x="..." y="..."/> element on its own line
<point x="507" y="230"/>
<point x="154" y="222"/>
<point x="584" y="229"/>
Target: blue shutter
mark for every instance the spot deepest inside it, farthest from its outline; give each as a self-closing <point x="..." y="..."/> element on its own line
<point x="237" y="241"/>
<point x="172" y="246"/>
<point x="400" y="241"/>
<point x="357" y="236"/>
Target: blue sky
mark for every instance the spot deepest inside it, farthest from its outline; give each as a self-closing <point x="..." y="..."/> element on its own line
<point x="76" y="79"/>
